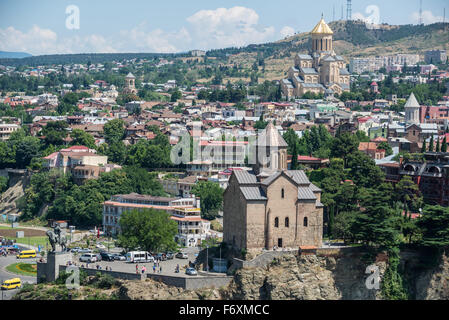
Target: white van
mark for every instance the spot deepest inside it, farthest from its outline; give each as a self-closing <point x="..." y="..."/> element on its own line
<point x="139" y="256"/>
<point x="88" y="257"/>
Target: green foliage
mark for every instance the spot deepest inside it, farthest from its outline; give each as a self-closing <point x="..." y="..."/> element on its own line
<point x="114" y="130"/>
<point x="393" y="285"/>
<point x="377" y="223"/>
<point x="148" y="229"/>
<point x="385" y="146"/>
<point x="82" y="138"/>
<point x="211" y="196"/>
<point x="434" y="225"/>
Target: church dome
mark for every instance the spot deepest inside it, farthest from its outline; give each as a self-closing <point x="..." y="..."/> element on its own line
<point x="322" y="28"/>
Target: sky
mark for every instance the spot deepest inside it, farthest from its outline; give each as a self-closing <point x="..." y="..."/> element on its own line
<point x="108" y="26"/>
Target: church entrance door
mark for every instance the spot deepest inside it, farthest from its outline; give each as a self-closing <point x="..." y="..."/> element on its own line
<point x="280" y="242"/>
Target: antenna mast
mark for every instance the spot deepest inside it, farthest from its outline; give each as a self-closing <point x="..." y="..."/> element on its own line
<point x="420" y="12"/>
<point x="349" y="10"/>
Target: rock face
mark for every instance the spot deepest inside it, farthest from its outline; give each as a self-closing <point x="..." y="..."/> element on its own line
<point x="153" y="290"/>
<point x="433" y="284"/>
<point x="305" y="278"/>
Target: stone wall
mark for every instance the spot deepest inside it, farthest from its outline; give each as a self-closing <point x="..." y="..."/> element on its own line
<point x="114" y="274"/>
<point x="194" y="282"/>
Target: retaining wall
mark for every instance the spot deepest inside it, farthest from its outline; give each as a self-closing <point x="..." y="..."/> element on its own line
<point x="114" y="274"/>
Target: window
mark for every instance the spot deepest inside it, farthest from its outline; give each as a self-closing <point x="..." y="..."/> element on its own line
<point x="287" y="222"/>
<point x="276" y="222"/>
<point x="282" y="193"/>
<point x="306" y="222"/>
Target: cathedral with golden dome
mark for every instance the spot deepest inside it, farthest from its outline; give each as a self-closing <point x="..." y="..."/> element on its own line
<point x="320" y="71"/>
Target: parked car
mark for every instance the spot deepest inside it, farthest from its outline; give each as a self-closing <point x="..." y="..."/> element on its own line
<point x="105" y="256"/>
<point x="83" y="250"/>
<point x="99" y="257"/>
<point x="88" y="257"/>
<point x="182" y="255"/>
<point x="169" y="255"/>
<point x="100" y="246"/>
<point x="191" y="272"/>
<point x="119" y="257"/>
<point x="160" y="257"/>
<point x="76" y="249"/>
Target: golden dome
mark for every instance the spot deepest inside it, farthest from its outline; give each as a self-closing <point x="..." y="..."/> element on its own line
<point x="322" y="28"/>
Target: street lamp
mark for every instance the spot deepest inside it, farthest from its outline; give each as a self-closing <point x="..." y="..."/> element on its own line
<point x="207" y="258"/>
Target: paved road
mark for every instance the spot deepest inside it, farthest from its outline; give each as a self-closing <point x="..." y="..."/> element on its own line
<point x="168" y="267"/>
<point x="4" y="275"/>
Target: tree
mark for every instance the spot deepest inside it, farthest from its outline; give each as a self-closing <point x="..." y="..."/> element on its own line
<point x="114" y="130"/>
<point x="148" y="229"/>
<point x="26" y="150"/>
<point x="341" y="226"/>
<point x="363" y="170"/>
<point x="344" y="145"/>
<point x="175" y="96"/>
<point x="437" y="149"/>
<point x="407" y="192"/>
<point x="82" y="138"/>
<point x="385" y="146"/>
<point x="431" y="144"/>
<point x="444" y="145"/>
<point x="424" y="147"/>
<point x="434" y="225"/>
<point x="377" y="223"/>
<point x="211" y="196"/>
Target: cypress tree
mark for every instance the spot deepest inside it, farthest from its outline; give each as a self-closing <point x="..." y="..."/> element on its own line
<point x="444" y="145"/>
<point x="438" y="145"/>
<point x="431" y="144"/>
<point x="424" y="147"/>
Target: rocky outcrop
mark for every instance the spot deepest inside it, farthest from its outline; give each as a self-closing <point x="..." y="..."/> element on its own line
<point x="305" y="278"/>
<point x="153" y="290"/>
<point x="433" y="284"/>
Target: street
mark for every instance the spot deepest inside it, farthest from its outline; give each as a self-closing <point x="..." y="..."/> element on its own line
<point x="168" y="267"/>
<point x="5" y="275"/>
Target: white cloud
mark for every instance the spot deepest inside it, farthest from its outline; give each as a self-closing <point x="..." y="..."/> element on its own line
<point x="427" y="17"/>
<point x="237" y="26"/>
<point x="206" y="29"/>
<point x="287" y="31"/>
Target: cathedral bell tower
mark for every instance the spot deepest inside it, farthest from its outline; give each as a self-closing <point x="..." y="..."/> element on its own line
<point x="322" y="37"/>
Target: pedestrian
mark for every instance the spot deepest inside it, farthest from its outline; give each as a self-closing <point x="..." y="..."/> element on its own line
<point x="154" y="269"/>
<point x="160" y="269"/>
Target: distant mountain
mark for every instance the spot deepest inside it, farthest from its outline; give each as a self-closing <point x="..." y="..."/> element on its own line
<point x="13" y="55"/>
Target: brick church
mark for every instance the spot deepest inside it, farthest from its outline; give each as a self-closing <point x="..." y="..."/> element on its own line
<point x="271" y="206"/>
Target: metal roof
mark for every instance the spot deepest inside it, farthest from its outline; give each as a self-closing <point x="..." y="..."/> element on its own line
<point x="304" y="193"/>
<point x="253" y="193"/>
<point x="314" y="188"/>
<point x="304" y="57"/>
<point x="298" y="176"/>
<point x="270" y="137"/>
<point x="270" y="179"/>
<point x="308" y="71"/>
<point x="244" y="177"/>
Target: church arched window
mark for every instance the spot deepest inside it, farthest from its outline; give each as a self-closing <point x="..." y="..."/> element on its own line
<point x="287" y="222"/>
<point x="306" y="222"/>
<point x="282" y="193"/>
<point x="276" y="222"/>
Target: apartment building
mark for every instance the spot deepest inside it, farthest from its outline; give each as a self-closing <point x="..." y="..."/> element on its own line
<point x="6" y="129"/>
<point x="192" y="229"/>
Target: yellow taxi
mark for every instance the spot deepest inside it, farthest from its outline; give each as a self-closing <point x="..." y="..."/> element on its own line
<point x="11" y="284"/>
